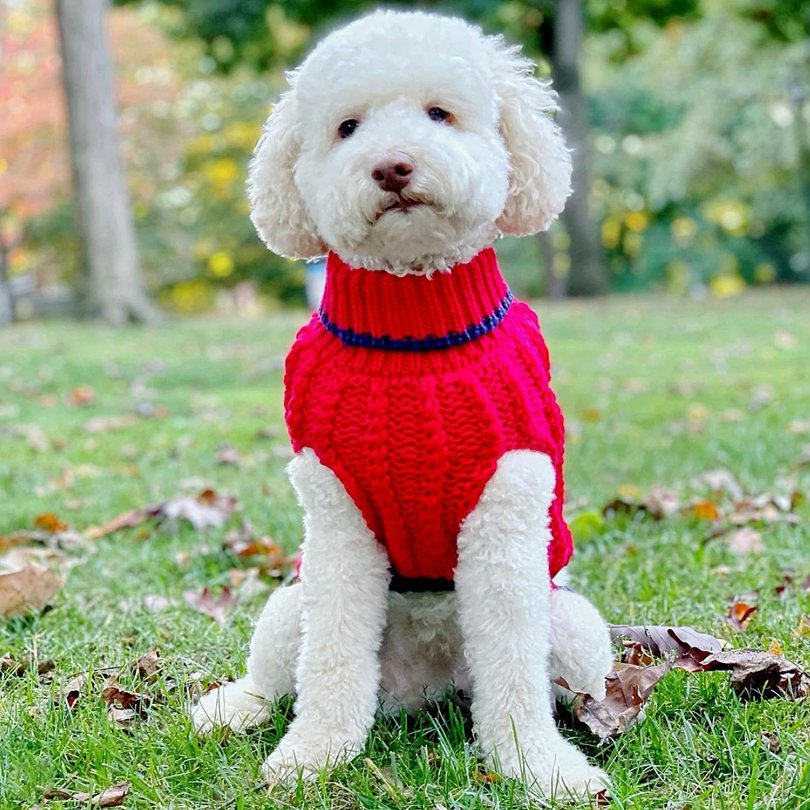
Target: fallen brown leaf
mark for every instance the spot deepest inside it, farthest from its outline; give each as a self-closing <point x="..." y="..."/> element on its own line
<point x="627" y="691"/>
<point x="659" y="641"/>
<point x="112" y="796"/>
<point x="658" y="503"/>
<point x="635" y="653"/>
<point x="753" y="673"/>
<point x="244" y="542"/>
<point x="227" y="454"/>
<point x="148" y="665"/>
<point x="25" y="584"/>
<point x="207" y="509"/>
<point x="770" y="739"/>
<point x="217" y="607"/>
<point x="740" y="613"/>
<point x="757" y="674"/>
<point x="74" y="690"/>
<point x="745" y="541"/>
<point x="104" y="424"/>
<point x="789" y="581"/>
<point x="123" y="705"/>
<point x="82" y="395"/>
<point x="9" y="665"/>
<point x="720" y="481"/>
<point x="765" y="508"/>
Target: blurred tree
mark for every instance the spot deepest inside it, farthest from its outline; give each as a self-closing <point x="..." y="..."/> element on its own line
<point x="264" y="33"/>
<point x="699" y="154"/>
<point x="6" y="297"/>
<point x="113" y="287"/>
<point x="587" y="274"/>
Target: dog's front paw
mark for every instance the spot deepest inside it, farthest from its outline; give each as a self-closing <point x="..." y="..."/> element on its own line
<point x="564" y="774"/>
<point x="307" y="755"/>
<point x="232" y="706"/>
<point x="579" y="782"/>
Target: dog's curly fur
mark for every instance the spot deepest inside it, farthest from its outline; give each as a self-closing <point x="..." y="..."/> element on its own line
<point x="338" y="639"/>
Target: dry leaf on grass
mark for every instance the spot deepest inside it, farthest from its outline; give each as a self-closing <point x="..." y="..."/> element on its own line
<point x="217" y="607"/>
<point x="754" y="674"/>
<point x="789" y="580"/>
<point x="745" y="541"/>
<point x="74" y="690"/>
<point x="228" y="455"/>
<point x="267" y="557"/>
<point x="627" y="691"/>
<point x="740" y="612"/>
<point x="244" y="542"/>
<point x="148" y="665"/>
<point x="206" y="509"/>
<point x="112" y="796"/>
<point x="25" y="584"/>
<point x="702" y="510"/>
<point x="81" y="395"/>
<point x="78" y="687"/>
<point x="49" y="522"/>
<point x="660" y="641"/>
<point x="104" y="424"/>
<point x="659" y="503"/>
<point x="9" y="665"/>
<point x="720" y="481"/>
<point x="123" y="705"/>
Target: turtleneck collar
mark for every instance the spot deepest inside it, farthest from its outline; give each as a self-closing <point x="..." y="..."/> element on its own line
<point x="378" y="310"/>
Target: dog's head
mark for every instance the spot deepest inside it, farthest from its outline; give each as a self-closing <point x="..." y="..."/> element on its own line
<point x="408" y="141"/>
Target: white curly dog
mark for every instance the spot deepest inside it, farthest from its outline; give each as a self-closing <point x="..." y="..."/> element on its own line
<point x="491" y="161"/>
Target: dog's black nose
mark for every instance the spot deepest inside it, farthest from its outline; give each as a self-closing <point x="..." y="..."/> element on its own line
<point x="393" y="173"/>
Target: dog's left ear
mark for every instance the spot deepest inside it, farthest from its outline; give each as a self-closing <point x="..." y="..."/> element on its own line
<point x="540" y="162"/>
<point x="277" y="208"/>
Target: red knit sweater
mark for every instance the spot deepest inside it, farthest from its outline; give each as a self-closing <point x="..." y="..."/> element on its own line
<point x="410" y="389"/>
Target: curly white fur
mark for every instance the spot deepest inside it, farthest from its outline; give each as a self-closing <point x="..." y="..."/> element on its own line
<point x="339" y="640"/>
<point x="500" y="166"/>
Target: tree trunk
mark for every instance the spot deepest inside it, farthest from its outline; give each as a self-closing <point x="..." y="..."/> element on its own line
<point x="587" y="275"/>
<point x="112" y="289"/>
<point x="555" y="281"/>
<point x="6" y="297"/>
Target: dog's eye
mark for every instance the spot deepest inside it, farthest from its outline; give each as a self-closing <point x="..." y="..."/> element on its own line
<point x="439" y="114"/>
<point x="347" y="127"/>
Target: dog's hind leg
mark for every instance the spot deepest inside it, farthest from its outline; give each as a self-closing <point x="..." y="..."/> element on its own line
<point x="504" y="595"/>
<point x="581" y="650"/>
<point x="271" y="669"/>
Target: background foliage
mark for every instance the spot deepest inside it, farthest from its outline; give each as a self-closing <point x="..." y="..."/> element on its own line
<point x="700" y="137"/>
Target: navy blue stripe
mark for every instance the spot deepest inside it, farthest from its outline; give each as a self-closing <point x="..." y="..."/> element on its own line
<point x="425" y="344"/>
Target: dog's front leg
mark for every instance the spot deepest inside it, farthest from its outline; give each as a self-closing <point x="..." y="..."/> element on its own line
<point x="503" y="587"/>
<point x="344" y="581"/>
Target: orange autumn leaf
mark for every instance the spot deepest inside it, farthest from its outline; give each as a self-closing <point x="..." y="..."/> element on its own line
<point x="49" y="522"/>
<point x="82" y="395"/>
<point x="740" y="614"/>
<point x="704" y="510"/>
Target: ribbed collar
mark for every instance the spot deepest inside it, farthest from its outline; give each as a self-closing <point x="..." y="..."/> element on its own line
<point x="375" y="309"/>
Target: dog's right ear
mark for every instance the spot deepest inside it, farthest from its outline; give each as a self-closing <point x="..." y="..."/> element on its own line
<point x="277" y="208"/>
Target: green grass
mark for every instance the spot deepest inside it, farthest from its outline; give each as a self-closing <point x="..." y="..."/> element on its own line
<point x="655" y="391"/>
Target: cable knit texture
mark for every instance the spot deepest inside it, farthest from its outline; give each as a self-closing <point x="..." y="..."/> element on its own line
<point x="410" y="388"/>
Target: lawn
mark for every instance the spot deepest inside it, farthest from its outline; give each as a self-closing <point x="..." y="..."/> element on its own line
<point x="95" y="422"/>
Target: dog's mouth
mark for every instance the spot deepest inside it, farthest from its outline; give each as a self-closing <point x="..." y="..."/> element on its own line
<point x="401" y="204"/>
